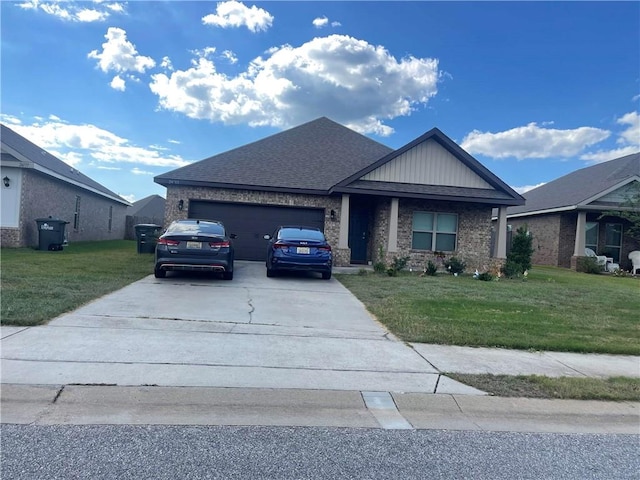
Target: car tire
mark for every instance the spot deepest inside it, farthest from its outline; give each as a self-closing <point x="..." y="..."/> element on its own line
<point x="326" y="275"/>
<point x="228" y="275"/>
<point x="159" y="273"/>
<point x="271" y="272"/>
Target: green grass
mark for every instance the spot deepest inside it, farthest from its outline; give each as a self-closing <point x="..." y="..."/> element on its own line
<point x="616" y="389"/>
<point x="553" y="309"/>
<point x="37" y="285"/>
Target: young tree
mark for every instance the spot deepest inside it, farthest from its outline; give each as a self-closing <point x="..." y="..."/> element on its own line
<point x="521" y="250"/>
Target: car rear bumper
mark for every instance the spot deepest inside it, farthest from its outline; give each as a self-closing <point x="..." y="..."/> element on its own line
<point x="279" y="264"/>
<point x="194" y="265"/>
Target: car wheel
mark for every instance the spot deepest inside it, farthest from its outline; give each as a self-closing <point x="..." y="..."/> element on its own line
<point x="228" y="275"/>
<point x="159" y="273"/>
<point x="271" y="272"/>
<point x="326" y="275"/>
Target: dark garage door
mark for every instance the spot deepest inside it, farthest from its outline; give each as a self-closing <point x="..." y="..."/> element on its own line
<point x="250" y="222"/>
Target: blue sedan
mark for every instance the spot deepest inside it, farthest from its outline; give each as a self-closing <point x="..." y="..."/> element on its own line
<point x="296" y="248"/>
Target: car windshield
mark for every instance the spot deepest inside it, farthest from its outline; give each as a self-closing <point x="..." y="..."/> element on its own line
<point x="290" y="233"/>
<point x="194" y="228"/>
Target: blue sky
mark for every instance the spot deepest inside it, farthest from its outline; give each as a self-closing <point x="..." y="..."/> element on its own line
<point x="125" y="91"/>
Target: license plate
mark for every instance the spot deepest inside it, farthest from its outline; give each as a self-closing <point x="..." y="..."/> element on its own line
<point x="194" y="245"/>
<point x="303" y="250"/>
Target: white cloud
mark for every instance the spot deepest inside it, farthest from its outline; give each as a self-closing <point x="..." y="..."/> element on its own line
<point x="322" y="22"/>
<point x="526" y="188"/>
<point x="532" y="141"/>
<point x="118" y="83"/>
<point x="628" y="139"/>
<point x="229" y="55"/>
<point x="119" y="55"/>
<point x="353" y="82"/>
<point x="72" y="11"/>
<point x="76" y="144"/>
<point x="635" y="98"/>
<point x="234" y="14"/>
<point x="138" y="171"/>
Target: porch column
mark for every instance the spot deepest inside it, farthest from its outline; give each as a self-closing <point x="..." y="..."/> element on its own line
<point x="343" y="241"/>
<point x="581" y="226"/>
<point x="501" y="234"/>
<point x="393" y="226"/>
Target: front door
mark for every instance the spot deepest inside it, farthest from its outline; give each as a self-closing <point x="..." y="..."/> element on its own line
<point x="358" y="233"/>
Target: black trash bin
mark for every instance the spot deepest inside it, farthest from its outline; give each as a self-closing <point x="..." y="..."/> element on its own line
<point x="147" y="235"/>
<point x="51" y="234"/>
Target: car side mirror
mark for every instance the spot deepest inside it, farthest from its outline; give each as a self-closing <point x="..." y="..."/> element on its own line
<point x="232" y="236"/>
<point x="267" y="236"/>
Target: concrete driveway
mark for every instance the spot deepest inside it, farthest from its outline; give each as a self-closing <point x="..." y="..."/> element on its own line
<point x="289" y="332"/>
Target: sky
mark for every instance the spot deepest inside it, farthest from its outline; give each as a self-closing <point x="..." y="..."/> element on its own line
<point x="125" y="91"/>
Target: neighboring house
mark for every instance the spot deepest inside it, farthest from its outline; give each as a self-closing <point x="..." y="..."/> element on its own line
<point x="35" y="184"/>
<point x="427" y="199"/>
<point x="569" y="214"/>
<point x="149" y="210"/>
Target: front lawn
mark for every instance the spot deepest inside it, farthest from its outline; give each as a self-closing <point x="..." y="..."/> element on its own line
<point x="39" y="285"/>
<point x="552" y="309"/>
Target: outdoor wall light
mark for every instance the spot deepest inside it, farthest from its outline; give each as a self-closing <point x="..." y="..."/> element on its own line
<point x="7" y="181"/>
<point x="180" y="205"/>
<point x="332" y="215"/>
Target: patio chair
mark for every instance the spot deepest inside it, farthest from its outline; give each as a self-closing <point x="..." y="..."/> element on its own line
<point x="635" y="261"/>
<point x="601" y="259"/>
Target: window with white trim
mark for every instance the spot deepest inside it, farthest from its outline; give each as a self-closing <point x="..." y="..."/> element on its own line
<point x="434" y="231"/>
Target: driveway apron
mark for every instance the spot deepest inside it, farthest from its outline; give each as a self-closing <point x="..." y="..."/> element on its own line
<point x="296" y="331"/>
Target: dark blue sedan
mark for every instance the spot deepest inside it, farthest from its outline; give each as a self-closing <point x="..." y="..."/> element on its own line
<point x="195" y="245"/>
<point x="296" y="248"/>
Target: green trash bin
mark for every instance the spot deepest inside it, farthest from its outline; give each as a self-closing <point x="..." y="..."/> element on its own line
<point x="147" y="236"/>
<point x="51" y="233"/>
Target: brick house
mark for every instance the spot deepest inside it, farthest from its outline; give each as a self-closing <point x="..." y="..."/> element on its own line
<point x="567" y="215"/>
<point x="35" y="184"/>
<point x="423" y="200"/>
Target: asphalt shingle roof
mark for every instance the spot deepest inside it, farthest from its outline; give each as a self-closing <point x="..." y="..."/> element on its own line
<point x="314" y="156"/>
<point x="43" y="158"/>
<point x="577" y="187"/>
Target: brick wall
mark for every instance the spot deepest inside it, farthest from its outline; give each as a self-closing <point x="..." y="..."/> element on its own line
<point x="42" y="196"/>
<point x="474" y="233"/>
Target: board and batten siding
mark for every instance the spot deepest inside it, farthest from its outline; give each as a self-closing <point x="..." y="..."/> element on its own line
<point x="427" y="164"/>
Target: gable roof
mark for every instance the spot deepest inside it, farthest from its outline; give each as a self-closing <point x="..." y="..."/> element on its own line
<point x="310" y="158"/>
<point x="18" y="149"/>
<point x="151" y="206"/>
<point x="578" y="189"/>
<point x="499" y="192"/>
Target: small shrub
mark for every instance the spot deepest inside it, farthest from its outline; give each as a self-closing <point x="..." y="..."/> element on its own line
<point x="521" y="250"/>
<point x="392" y="272"/>
<point x="379" y="267"/>
<point x="399" y="263"/>
<point x="362" y="272"/>
<point x="485" y="277"/>
<point x="511" y="269"/>
<point x="588" y="265"/>
<point x="431" y="269"/>
<point x="454" y="265"/>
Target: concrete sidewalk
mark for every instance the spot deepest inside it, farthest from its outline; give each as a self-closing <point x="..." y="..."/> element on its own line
<point x="295" y="349"/>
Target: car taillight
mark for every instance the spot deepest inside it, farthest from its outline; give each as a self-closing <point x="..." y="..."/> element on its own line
<point x="282" y="246"/>
<point x="167" y="242"/>
<point x="219" y="244"/>
<point x="325" y="249"/>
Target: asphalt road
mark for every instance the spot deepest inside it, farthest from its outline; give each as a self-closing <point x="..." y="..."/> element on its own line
<point x="165" y="452"/>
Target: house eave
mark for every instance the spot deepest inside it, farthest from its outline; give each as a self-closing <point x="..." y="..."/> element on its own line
<point x="236" y="186"/>
<point x="423" y="196"/>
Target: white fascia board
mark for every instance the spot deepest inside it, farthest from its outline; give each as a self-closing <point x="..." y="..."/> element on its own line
<point x="543" y="212"/>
